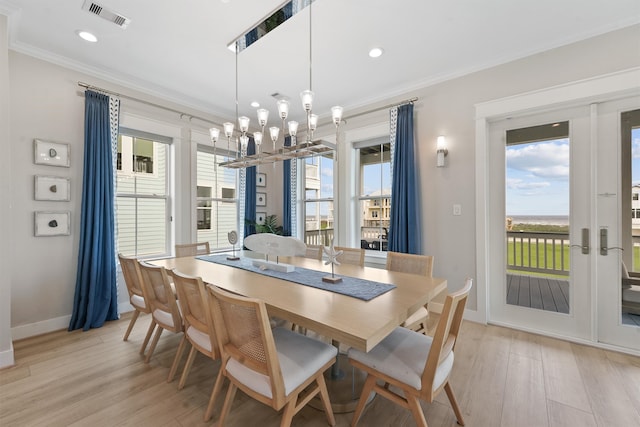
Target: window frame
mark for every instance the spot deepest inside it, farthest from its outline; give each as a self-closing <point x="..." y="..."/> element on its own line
<point x="217" y="199"/>
<point x="303" y="200"/>
<point x="381" y="201"/>
<point x="167" y="197"/>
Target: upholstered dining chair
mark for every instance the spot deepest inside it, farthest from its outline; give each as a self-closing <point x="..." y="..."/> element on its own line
<point x="314" y="252"/>
<point x="164" y="309"/>
<point x="198" y="326"/>
<point x="415" y="364"/>
<point x="192" y="249"/>
<point x="132" y="279"/>
<point x="272" y="366"/>
<point x="351" y="256"/>
<point x="413" y="264"/>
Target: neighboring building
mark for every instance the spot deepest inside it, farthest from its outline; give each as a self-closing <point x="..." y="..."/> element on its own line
<point x="635" y="209"/>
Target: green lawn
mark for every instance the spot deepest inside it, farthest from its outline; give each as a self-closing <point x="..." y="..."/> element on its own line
<point x="542" y="256"/>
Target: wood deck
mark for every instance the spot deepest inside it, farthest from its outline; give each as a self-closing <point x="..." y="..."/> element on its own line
<point x="538" y="292"/>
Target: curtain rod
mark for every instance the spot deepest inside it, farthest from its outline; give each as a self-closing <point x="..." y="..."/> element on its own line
<point x="142" y="101"/>
<point x="88" y="86"/>
<point x="396" y="104"/>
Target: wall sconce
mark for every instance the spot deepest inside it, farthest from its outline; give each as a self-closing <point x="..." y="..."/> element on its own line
<point x="441" y="151"/>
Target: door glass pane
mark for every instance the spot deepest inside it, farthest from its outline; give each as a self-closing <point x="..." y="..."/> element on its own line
<point x="630" y="169"/>
<point x="537" y="199"/>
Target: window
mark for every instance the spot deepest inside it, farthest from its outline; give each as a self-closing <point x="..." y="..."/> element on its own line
<point x="318" y="200"/>
<point x="374" y="193"/>
<point x="217" y="204"/>
<point x="142" y="198"/>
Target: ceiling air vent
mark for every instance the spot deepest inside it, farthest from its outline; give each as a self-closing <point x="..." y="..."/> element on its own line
<point x="96" y="9"/>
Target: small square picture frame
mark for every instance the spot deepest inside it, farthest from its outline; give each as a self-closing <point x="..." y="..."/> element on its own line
<point x="52" y="188"/>
<point x="51" y="153"/>
<point x="261" y="199"/>
<point x="261" y="180"/>
<point x="48" y="224"/>
<point x="260" y="217"/>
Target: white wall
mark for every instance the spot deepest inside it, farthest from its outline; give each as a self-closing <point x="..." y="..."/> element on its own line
<point x="449" y="109"/>
<point x="45" y="103"/>
<point x="6" y="347"/>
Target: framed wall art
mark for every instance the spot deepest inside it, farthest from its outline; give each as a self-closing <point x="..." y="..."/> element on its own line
<point x="55" y="188"/>
<point x="52" y="224"/>
<point x="261" y="199"/>
<point x="260" y="216"/>
<point x="51" y="153"/>
<point x="261" y="180"/>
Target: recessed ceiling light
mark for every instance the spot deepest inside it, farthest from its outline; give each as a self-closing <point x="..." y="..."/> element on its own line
<point x="86" y="35"/>
<point x="375" y="52"/>
<point x="255" y="104"/>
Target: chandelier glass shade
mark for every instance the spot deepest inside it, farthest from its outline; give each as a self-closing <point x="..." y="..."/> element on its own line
<point x="295" y="150"/>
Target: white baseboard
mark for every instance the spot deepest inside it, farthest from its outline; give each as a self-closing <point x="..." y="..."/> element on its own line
<point x="39" y="328"/>
<point x="52" y="325"/>
<point x="6" y="357"/>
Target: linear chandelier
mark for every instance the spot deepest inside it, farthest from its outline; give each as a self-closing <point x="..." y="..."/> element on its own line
<point x="308" y="147"/>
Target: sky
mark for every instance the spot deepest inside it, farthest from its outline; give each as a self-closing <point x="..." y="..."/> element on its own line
<point x="537" y="178"/>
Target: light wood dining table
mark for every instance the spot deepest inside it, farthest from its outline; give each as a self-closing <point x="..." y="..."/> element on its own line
<point x="347" y="320"/>
<point x="351" y="321"/>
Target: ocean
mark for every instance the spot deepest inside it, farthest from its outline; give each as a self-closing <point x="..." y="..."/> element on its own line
<point x="540" y="219"/>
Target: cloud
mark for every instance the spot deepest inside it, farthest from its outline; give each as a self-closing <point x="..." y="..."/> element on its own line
<point x="542" y="160"/>
<point x="327" y="172"/>
<point x="519" y="184"/>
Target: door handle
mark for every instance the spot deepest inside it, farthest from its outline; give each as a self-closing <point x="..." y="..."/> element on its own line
<point x="585" y="241"/>
<point x="604" y="247"/>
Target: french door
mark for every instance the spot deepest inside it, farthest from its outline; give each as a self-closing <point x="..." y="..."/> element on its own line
<point x="539" y="170"/>
<point x="557" y="234"/>
<point x="618" y="172"/>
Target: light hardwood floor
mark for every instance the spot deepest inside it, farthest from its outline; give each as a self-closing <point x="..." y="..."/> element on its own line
<point x="501" y="377"/>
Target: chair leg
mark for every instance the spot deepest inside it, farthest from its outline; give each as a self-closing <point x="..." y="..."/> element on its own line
<point x="454" y="403"/>
<point x="214" y="394"/>
<point x="416" y="410"/>
<point x="326" y="402"/>
<point x="136" y="313"/>
<point x="176" y="360"/>
<point x="152" y="326"/>
<point x="289" y="412"/>
<point x="187" y="367"/>
<point x="231" y="393"/>
<point x="154" y="342"/>
<point x="367" y="388"/>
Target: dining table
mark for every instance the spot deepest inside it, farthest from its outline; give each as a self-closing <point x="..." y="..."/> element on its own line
<point x="351" y="321"/>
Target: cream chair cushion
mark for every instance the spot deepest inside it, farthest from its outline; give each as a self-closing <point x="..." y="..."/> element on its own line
<point x="199" y="337"/>
<point x="402" y="355"/>
<point x="163" y="317"/>
<point x="300" y="357"/>
<point x="137" y="301"/>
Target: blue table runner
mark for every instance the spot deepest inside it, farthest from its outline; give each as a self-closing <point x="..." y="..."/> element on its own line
<point x="351" y="286"/>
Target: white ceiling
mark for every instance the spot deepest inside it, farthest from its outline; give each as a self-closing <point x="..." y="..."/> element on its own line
<point x="178" y="49"/>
